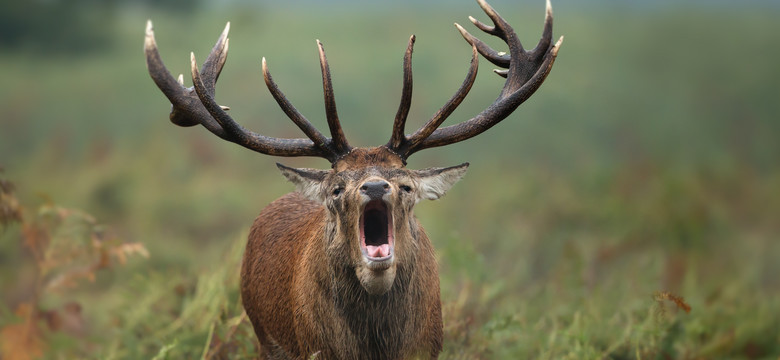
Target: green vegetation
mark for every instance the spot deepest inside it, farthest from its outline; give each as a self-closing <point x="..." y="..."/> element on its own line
<point x="647" y="163"/>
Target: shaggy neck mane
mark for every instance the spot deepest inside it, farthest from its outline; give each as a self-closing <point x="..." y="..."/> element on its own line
<point x="378" y="320"/>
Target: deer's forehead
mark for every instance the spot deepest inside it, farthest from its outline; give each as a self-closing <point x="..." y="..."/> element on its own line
<point x="364" y="158"/>
<point x="356" y="175"/>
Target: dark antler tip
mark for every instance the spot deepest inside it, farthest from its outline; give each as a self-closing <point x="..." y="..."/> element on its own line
<point x="321" y="49"/>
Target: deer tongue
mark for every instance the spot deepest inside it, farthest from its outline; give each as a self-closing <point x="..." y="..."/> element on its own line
<point x="378" y="251"/>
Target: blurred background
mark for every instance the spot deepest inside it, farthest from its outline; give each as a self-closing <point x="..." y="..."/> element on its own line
<point x="644" y="175"/>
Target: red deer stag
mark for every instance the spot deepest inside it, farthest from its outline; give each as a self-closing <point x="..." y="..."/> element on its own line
<point x="342" y="268"/>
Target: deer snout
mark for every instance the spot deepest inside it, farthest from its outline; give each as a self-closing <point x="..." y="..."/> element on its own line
<point x="375" y="190"/>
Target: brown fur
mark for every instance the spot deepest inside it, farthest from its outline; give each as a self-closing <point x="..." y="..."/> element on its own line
<point x="299" y="284"/>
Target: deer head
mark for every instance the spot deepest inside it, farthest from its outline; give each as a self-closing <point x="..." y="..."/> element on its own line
<point x="369" y="195"/>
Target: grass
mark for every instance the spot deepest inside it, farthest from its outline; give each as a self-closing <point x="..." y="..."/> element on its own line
<point x="646" y="163"/>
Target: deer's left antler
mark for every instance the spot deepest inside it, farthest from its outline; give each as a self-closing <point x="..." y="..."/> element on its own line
<point x="525" y="72"/>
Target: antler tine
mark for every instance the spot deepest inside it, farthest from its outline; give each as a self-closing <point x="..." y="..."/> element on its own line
<point x="237" y="134"/>
<point x="424" y="132"/>
<point x="484" y="27"/>
<point x="398" y="138"/>
<point x="212" y="67"/>
<point x="186" y="108"/>
<point x="339" y="141"/>
<point x="235" y="131"/>
<point x="311" y="132"/>
<point x="498" y="59"/>
<point x="546" y="39"/>
<point x="526" y="72"/>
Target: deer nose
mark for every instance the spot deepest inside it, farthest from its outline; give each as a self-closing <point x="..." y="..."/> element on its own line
<point x="375" y="189"/>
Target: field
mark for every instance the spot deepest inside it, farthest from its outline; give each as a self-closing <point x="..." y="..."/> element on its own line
<point x="628" y="210"/>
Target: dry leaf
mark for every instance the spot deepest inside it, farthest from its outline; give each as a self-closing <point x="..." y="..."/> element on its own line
<point x="22" y="341"/>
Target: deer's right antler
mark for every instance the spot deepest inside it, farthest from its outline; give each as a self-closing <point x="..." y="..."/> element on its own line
<point x="196" y="105"/>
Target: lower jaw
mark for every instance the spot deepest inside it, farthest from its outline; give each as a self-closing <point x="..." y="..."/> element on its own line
<point x="376" y="282"/>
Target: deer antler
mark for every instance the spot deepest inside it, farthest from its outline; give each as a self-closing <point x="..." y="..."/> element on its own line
<point x="193" y="106"/>
<point x="525" y="72"/>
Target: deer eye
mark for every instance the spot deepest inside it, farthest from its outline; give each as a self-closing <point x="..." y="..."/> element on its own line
<point x="406" y="188"/>
<point x="337" y="191"/>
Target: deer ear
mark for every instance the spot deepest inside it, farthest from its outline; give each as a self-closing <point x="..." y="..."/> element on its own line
<point x="435" y="182"/>
<point x="307" y="181"/>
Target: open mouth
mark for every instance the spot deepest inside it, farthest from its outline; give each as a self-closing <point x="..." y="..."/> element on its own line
<point x="376" y="231"/>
